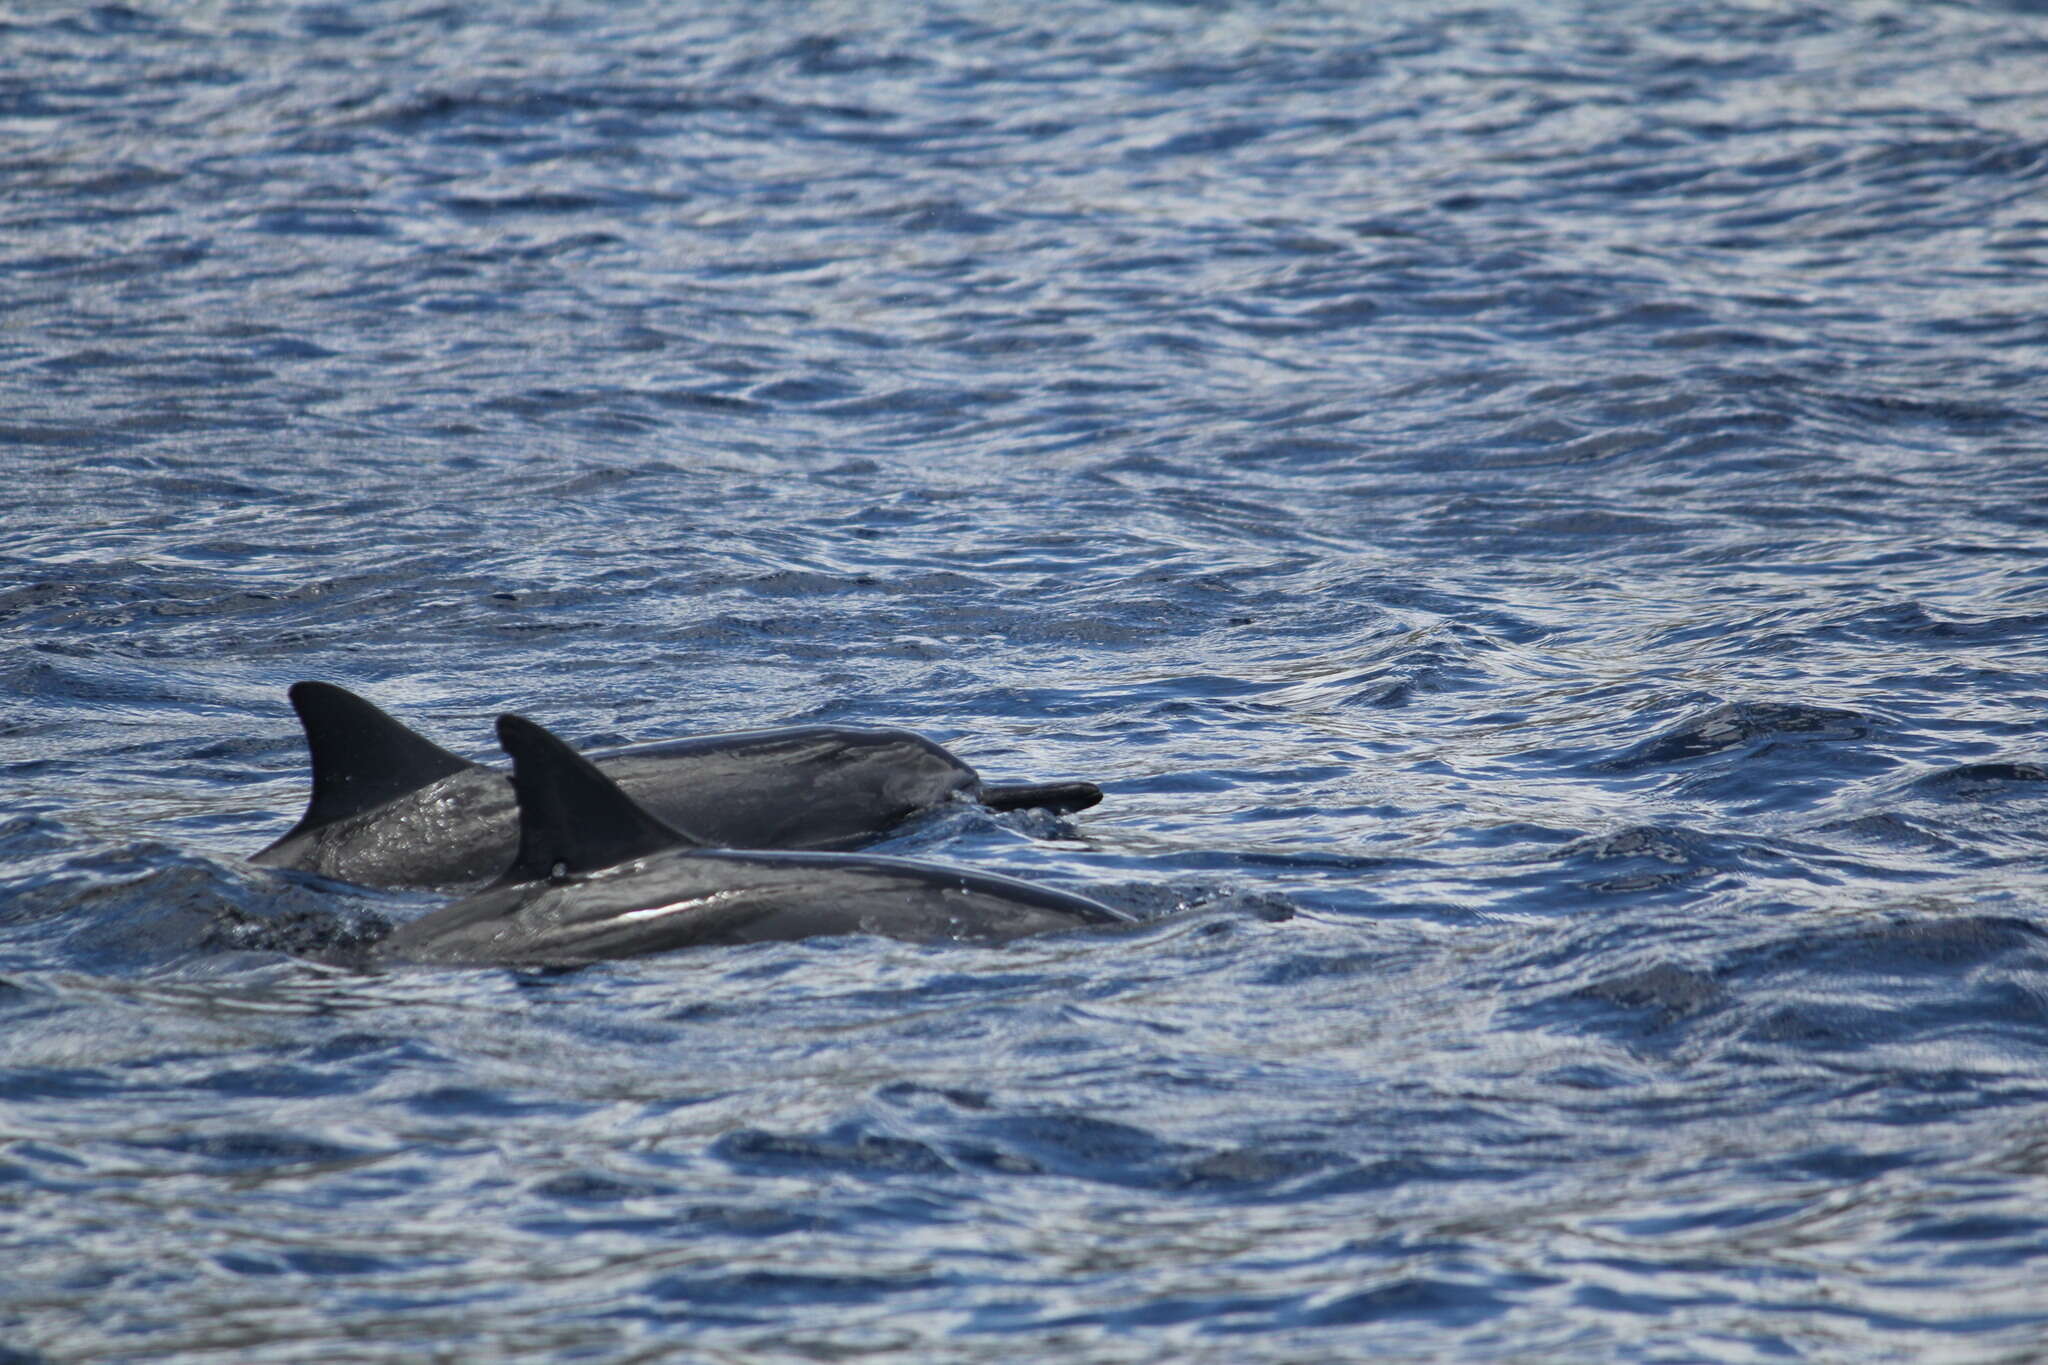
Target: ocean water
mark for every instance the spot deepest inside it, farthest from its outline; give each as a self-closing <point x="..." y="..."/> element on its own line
<point x="1536" y="515"/>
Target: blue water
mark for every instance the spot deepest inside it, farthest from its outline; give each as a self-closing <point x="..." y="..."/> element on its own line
<point x="1536" y="516"/>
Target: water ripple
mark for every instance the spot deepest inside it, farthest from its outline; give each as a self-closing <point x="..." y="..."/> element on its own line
<point x="1532" y="516"/>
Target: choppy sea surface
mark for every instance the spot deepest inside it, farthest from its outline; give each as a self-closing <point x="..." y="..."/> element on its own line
<point x="1537" y="516"/>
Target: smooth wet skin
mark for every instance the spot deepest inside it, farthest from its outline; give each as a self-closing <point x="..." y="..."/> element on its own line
<point x="599" y="877"/>
<point x="392" y="809"/>
<point x="696" y="898"/>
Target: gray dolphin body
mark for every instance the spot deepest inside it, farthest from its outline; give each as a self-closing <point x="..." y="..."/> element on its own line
<point x="390" y="808"/>
<point x="597" y="877"/>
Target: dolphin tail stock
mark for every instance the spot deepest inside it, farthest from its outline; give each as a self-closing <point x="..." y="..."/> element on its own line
<point x="572" y="818"/>
<point x="1062" y="798"/>
<point x="361" y="757"/>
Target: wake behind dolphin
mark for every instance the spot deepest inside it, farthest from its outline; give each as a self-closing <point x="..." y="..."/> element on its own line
<point x="390" y="808"/>
<point x="598" y="876"/>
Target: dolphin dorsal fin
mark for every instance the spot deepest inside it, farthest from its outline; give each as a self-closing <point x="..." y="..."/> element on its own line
<point x="572" y="818"/>
<point x="362" y="758"/>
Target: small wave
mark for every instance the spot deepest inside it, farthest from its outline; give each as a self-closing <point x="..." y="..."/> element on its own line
<point x="1737" y="725"/>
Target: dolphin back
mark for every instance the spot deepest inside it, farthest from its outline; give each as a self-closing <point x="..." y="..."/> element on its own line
<point x="688" y="898"/>
<point x="572" y="818"/>
<point x="361" y="759"/>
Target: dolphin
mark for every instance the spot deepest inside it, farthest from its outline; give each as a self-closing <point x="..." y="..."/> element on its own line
<point x="390" y="808"/>
<point x="598" y="876"/>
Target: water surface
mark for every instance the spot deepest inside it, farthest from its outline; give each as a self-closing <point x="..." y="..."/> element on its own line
<point x="1536" y="517"/>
